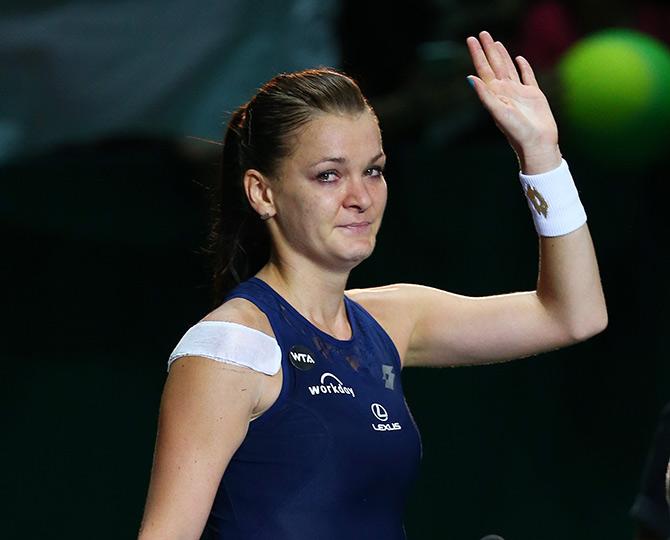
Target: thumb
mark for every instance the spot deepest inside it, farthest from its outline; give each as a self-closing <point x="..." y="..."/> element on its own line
<point x="488" y="98"/>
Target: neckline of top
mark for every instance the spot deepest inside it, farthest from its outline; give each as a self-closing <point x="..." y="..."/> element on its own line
<point x="325" y="335"/>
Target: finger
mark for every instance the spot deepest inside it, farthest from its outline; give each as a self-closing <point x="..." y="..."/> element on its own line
<point x="527" y="74"/>
<point x="507" y="59"/>
<point x="479" y="60"/>
<point x="488" y="98"/>
<point x="493" y="55"/>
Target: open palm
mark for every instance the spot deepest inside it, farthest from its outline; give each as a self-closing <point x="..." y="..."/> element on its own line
<point x="513" y="97"/>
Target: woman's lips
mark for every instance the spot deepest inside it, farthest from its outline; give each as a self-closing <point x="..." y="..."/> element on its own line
<point x="362" y="226"/>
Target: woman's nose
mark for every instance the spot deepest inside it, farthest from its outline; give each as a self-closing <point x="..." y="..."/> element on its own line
<point x="358" y="194"/>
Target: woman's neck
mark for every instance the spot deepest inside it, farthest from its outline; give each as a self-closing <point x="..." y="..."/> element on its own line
<point x="316" y="293"/>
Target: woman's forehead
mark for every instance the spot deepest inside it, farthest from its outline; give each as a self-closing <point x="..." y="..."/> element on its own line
<point x="339" y="136"/>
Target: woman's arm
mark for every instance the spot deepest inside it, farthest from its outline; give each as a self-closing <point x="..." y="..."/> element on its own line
<point x="431" y="327"/>
<point x="435" y="328"/>
<point x="568" y="306"/>
<point x="205" y="411"/>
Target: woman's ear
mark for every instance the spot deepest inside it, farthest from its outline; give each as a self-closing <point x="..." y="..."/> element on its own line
<point x="258" y="189"/>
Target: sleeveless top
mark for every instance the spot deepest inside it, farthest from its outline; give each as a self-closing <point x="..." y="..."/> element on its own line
<point x="335" y="455"/>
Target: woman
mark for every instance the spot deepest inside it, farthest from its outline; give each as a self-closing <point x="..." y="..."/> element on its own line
<point x="290" y="389"/>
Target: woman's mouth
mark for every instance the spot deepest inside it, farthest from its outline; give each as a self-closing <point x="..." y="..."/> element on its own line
<point x="357" y="227"/>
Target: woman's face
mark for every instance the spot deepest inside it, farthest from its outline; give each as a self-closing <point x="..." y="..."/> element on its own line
<point x="331" y="192"/>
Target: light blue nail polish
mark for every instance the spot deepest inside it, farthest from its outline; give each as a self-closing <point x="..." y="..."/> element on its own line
<point x="471" y="82"/>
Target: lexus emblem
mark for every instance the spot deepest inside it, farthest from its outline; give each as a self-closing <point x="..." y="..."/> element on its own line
<point x="379" y="412"/>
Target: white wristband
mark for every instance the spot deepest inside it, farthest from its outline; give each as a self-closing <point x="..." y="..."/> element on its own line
<point x="553" y="201"/>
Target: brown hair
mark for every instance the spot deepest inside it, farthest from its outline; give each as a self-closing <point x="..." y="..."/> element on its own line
<point x="259" y="137"/>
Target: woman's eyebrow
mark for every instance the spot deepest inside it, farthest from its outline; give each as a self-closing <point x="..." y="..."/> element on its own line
<point x="343" y="159"/>
<point x="335" y="159"/>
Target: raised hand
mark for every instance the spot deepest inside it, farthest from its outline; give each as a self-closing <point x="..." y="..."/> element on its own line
<point x="518" y="106"/>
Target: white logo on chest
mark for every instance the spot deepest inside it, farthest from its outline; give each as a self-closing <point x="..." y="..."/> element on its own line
<point x="302" y="357"/>
<point x="330" y="384"/>
<point x="382" y="415"/>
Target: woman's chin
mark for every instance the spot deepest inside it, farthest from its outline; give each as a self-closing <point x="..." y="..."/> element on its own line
<point x="355" y="254"/>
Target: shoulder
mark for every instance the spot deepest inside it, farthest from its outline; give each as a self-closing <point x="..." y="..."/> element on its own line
<point x="403" y="309"/>
<point x="419" y="307"/>
<point x="243" y="312"/>
<point x="391" y="301"/>
<point x="238" y="334"/>
<point x="393" y="307"/>
<point x="399" y="303"/>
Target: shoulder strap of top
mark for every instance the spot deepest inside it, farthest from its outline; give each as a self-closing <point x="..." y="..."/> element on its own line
<point x="361" y="318"/>
<point x="268" y="301"/>
<point x="254" y="291"/>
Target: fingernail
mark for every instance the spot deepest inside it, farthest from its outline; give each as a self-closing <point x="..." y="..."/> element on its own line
<point x="471" y="82"/>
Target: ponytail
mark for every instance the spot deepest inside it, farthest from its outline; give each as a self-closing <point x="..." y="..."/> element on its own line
<point x="239" y="242"/>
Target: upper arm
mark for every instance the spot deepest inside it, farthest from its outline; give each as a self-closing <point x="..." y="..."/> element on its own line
<point x="451" y="329"/>
<point x="432" y="327"/>
<point x="204" y="415"/>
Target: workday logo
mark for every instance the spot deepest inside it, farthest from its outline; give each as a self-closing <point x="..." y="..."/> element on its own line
<point x="330" y="384"/>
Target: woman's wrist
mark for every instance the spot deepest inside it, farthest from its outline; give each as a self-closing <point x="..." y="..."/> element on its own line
<point x="539" y="160"/>
<point x="553" y="201"/>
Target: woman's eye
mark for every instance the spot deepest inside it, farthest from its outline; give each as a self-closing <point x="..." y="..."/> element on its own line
<point x="375" y="171"/>
<point x="327" y="176"/>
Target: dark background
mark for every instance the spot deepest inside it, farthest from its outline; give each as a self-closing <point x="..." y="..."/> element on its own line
<point x="102" y="274"/>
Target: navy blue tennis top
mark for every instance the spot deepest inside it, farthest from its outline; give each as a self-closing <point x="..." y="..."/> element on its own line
<point x="335" y="456"/>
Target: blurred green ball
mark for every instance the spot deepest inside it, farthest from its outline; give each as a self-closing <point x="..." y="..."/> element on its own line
<point x="615" y="102"/>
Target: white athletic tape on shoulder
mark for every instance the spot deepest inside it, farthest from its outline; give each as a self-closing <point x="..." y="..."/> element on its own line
<point x="230" y="343"/>
<point x="553" y="201"/>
